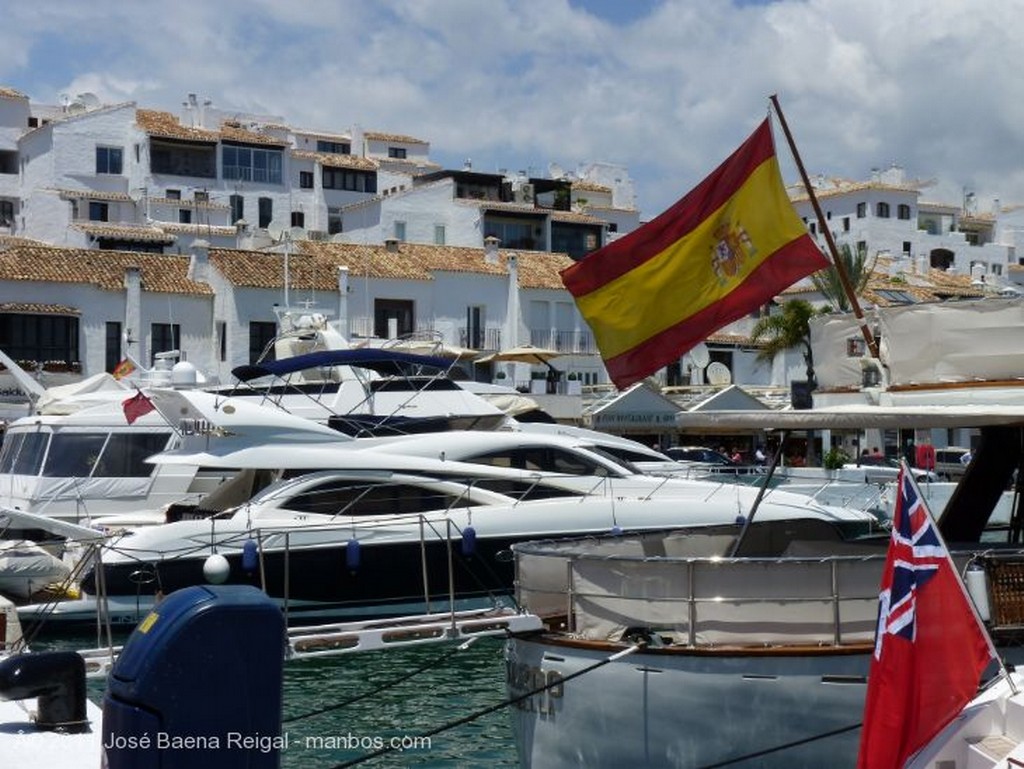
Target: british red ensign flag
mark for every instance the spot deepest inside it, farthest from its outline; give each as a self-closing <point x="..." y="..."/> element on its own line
<point x="930" y="649"/>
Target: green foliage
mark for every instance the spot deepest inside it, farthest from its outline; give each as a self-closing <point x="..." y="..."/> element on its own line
<point x="858" y="270"/>
<point x="835" y="458"/>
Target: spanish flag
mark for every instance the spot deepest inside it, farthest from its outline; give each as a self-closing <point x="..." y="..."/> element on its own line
<point x="123" y="369"/>
<point x="727" y="247"/>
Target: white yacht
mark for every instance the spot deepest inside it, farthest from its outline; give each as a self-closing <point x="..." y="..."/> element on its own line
<point x="744" y="645"/>
<point x="540" y="485"/>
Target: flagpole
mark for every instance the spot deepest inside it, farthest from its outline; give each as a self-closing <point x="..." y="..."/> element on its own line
<point x="905" y="469"/>
<point x="869" y="338"/>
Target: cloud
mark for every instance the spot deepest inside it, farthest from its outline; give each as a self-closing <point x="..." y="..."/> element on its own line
<point x="667" y="89"/>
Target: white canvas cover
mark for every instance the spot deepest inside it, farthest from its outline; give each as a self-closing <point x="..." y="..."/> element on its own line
<point x="933" y="342"/>
<point x="25" y="568"/>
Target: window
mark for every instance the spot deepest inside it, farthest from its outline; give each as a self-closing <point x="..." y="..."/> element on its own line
<point x="266" y="207"/>
<point x="400" y="231"/>
<point x="439" y="234"/>
<point x="174" y="194"/>
<point x="812" y="227"/>
<point x="237" y="203"/>
<point x="201" y="196"/>
<point x="334" y="221"/>
<point x="397" y="152"/>
<point x="335" y="148"/>
<point x="222" y="340"/>
<point x="108" y="160"/>
<point x="906" y="248"/>
<point x="347" y="179"/>
<point x="298" y="219"/>
<point x="306" y="180"/>
<point x="862" y="247"/>
<point x="183" y="159"/>
<point x="862" y="210"/>
<point x="856" y="347"/>
<point x="512" y="234"/>
<point x="6" y="213"/>
<point x="846" y="224"/>
<point x="23" y="453"/>
<point x="40" y="338"/>
<point x="98" y="212"/>
<point x="357" y="497"/>
<point x="261" y="337"/>
<point x="185" y="216"/>
<point x="902" y="211"/>
<point x="126" y="453"/>
<point x="392" y="318"/>
<point x="164" y="337"/>
<point x="540" y="459"/>
<point x="896" y="297"/>
<point x="112" y="346"/>
<point x="251" y="164"/>
<point x="475" y="327"/>
<point x="882" y="210"/>
<point x="103" y="455"/>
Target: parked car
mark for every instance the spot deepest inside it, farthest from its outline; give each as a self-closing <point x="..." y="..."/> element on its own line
<point x="950" y="462"/>
<point x="699" y="454"/>
<point x="880" y="469"/>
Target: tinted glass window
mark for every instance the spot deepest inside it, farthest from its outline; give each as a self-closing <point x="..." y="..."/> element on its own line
<point x="72" y="455"/>
<point x="362" y="498"/>
<point x="23" y="453"/>
<point x="541" y="459"/>
<point x="523" y="490"/>
<point x="126" y="453"/>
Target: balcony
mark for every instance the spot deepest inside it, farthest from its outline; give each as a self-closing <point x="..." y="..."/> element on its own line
<point x="577" y="342"/>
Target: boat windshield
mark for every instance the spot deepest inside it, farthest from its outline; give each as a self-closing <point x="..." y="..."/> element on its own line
<point x="23" y="453"/>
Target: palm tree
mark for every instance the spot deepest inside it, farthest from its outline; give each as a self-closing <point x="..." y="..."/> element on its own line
<point x="858" y="270"/>
<point x="785" y="330"/>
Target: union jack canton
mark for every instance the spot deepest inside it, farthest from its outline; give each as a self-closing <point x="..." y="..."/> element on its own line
<point x="918" y="554"/>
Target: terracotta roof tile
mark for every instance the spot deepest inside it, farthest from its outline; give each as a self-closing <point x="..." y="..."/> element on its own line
<point x="138" y="233"/>
<point x="167" y="126"/>
<point x="223" y="231"/>
<point x="10" y="93"/>
<point x="235" y="133"/>
<point x="386" y="137"/>
<point x="583" y="184"/>
<point x="190" y="203"/>
<point x="577" y="217"/>
<point x="315" y="264"/>
<point x="334" y="160"/>
<point x="119" y="197"/>
<point x="164" y="273"/>
<point x="37" y="308"/>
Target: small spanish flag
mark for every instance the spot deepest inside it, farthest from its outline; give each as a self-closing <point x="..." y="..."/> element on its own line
<point x="728" y="246"/>
<point x="123" y="369"/>
<point x="137" y="406"/>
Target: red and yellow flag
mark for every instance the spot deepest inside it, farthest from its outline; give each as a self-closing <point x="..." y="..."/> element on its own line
<point x="727" y="247"/>
<point x="123" y="369"/>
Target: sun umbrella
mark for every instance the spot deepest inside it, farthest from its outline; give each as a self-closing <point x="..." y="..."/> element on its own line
<point x="523" y="354"/>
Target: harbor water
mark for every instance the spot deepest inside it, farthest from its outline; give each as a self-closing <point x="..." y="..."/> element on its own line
<point x="338" y="710"/>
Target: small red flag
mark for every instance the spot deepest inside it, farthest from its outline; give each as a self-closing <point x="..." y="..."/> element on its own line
<point x="930" y="649"/>
<point x="136" y="406"/>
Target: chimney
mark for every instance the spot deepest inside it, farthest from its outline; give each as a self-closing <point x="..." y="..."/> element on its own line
<point x="199" y="261"/>
<point x="391" y="245"/>
<point x="491" y="249"/>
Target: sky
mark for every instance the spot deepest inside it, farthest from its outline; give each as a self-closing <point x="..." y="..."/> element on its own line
<point x="666" y="88"/>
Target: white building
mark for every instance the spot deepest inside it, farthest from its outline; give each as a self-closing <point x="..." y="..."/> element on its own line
<point x="83" y="310"/>
<point x="887" y="216"/>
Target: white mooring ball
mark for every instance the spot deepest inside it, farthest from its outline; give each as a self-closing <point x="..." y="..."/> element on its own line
<point x="216" y="569"/>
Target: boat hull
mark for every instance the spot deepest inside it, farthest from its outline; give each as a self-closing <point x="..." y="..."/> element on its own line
<point x="679" y="709"/>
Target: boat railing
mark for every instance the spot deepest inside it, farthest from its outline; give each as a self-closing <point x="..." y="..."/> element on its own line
<point x="701" y="601"/>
